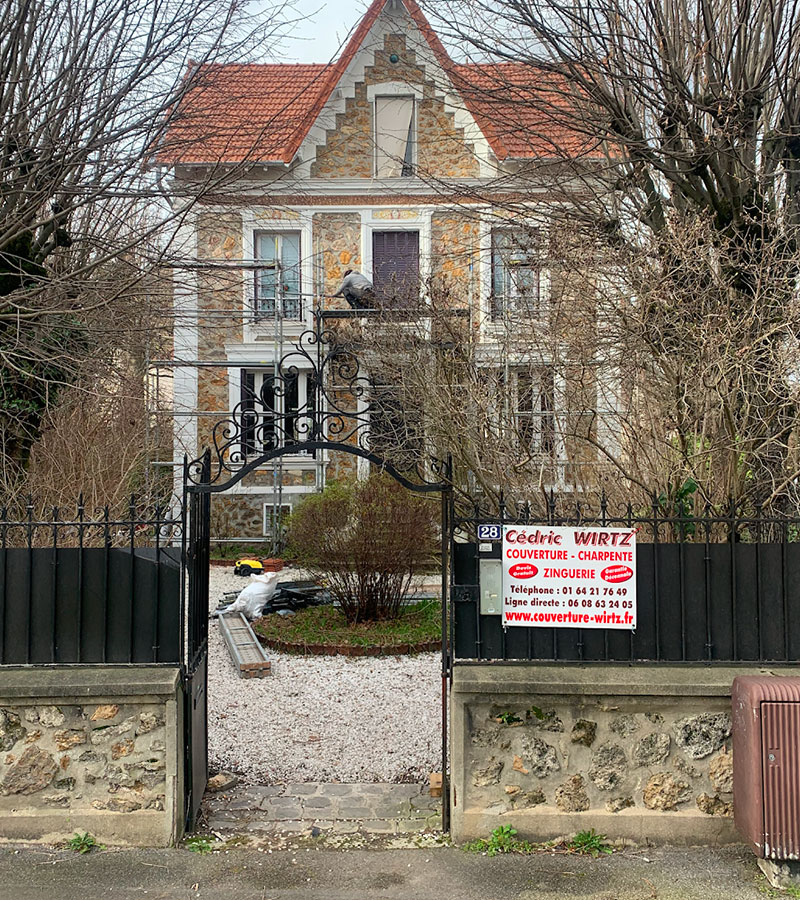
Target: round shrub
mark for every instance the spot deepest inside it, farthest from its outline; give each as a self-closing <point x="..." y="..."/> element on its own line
<point x="366" y="539"/>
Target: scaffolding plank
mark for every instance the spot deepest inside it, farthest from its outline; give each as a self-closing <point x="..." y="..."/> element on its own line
<point x="244" y="647"/>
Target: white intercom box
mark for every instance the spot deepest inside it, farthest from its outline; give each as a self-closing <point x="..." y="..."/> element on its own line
<point x="490" y="579"/>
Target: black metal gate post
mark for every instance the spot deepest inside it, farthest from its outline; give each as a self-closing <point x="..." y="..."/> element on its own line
<point x="196" y="625"/>
<point x="446" y="666"/>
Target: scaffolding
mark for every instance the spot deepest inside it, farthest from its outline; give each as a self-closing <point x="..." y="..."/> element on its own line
<point x="275" y="334"/>
<point x="160" y="379"/>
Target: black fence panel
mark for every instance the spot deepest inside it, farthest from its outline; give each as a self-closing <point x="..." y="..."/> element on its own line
<point x="82" y="590"/>
<point x="698" y="601"/>
<point x="88" y="605"/>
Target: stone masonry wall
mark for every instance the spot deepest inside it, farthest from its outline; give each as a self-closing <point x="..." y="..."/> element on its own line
<point x="455" y="255"/>
<point x="105" y="765"/>
<point x="97" y="756"/>
<point x="641" y="753"/>
<point x="238" y="516"/>
<point x="341" y="231"/>
<point x="219" y="237"/>
<point x="580" y="756"/>
<point x="349" y="150"/>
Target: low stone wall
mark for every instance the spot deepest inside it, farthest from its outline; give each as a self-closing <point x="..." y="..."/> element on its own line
<point x="91" y="749"/>
<point x="635" y="752"/>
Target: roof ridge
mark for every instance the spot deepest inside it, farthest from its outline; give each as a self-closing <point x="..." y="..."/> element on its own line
<point x="260" y="65"/>
<point x="337" y="69"/>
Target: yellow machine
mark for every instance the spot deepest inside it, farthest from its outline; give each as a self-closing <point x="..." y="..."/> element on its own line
<point x="248" y="567"/>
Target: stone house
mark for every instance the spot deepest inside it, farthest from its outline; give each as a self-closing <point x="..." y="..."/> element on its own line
<point x="385" y="161"/>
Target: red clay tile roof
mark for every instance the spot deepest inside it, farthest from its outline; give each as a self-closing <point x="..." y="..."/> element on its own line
<point x="234" y="113"/>
<point x="226" y="119"/>
<point x="262" y="113"/>
<point x="524" y="114"/>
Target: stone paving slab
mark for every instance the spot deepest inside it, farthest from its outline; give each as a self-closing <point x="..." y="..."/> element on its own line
<point x="337" y="808"/>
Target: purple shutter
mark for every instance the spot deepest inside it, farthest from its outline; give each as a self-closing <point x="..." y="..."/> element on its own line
<point x="395" y="267"/>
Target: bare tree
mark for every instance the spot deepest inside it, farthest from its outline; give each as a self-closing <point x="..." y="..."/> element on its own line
<point x="88" y="88"/>
<point x="666" y="136"/>
<point x="511" y="408"/>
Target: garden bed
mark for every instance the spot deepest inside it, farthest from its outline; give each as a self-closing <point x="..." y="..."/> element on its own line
<point x="270" y="564"/>
<point x="323" y="631"/>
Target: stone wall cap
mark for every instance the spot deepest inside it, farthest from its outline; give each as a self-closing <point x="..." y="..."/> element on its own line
<point x="87" y="681"/>
<point x="606" y="679"/>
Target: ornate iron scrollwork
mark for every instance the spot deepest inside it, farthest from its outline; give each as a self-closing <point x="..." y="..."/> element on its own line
<point x="316" y="397"/>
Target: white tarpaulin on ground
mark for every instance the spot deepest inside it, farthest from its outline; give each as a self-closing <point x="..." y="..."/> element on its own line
<point x="252" y="600"/>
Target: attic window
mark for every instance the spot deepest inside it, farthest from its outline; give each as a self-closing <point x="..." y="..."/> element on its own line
<point x="395" y="136"/>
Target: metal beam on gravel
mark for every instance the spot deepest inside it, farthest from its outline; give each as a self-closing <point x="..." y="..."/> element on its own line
<point x="247" y="654"/>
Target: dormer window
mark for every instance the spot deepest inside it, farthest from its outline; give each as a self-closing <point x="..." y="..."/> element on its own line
<point x="395" y="136"/>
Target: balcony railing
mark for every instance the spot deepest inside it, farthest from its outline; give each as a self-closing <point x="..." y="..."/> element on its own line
<point x="290" y="308"/>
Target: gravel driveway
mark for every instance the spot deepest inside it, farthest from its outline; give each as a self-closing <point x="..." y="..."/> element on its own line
<point x="322" y="718"/>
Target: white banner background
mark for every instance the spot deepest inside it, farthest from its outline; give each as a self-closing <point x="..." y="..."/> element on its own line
<point x="569" y="577"/>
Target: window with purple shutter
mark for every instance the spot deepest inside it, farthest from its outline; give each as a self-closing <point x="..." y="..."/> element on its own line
<point x="395" y="267"/>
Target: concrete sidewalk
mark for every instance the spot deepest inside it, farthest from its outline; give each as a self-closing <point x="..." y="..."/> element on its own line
<point x="432" y="874"/>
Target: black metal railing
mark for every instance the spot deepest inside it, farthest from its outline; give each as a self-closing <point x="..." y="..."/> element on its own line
<point x="91" y="587"/>
<point x="715" y="587"/>
<point x="290" y="308"/>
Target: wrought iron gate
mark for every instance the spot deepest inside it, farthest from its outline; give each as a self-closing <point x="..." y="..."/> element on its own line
<point x="195" y="628"/>
<point x="259" y="430"/>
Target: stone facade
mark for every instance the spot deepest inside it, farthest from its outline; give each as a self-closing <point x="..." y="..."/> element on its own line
<point x="92" y="752"/>
<point x="336" y="221"/>
<point x="455" y="256"/>
<point x="219" y="237"/>
<point x="349" y="150"/>
<point x="342" y="466"/>
<point x="637" y="753"/>
<point x="238" y="516"/>
<point x="337" y="245"/>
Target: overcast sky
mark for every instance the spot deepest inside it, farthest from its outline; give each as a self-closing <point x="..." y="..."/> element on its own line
<point x="326" y="26"/>
<point x="320" y="36"/>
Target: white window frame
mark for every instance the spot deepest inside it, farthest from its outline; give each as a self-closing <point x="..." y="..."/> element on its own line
<point x="491" y="325"/>
<point x="423" y="240"/>
<point x="421" y="222"/>
<point x="514" y="301"/>
<point x="507" y="414"/>
<point x="408" y="164"/>
<point x="268" y="524"/>
<point x="279" y="303"/>
<point x="536" y="417"/>
<point x="302" y="398"/>
<point x="255" y="221"/>
<point x="396" y="90"/>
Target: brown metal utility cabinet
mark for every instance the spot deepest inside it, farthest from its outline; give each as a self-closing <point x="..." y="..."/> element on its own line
<point x="766" y="764"/>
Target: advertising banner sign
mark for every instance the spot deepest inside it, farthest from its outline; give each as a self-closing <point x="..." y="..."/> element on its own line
<point x="555" y="577"/>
